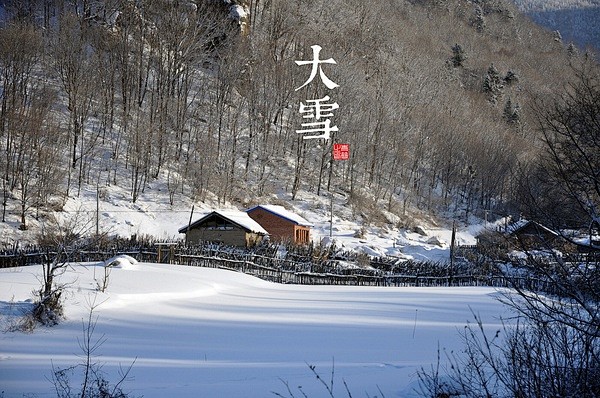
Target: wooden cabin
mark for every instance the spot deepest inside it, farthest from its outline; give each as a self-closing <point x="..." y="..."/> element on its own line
<point x="529" y="234"/>
<point x="229" y="227"/>
<point x="281" y="224"/>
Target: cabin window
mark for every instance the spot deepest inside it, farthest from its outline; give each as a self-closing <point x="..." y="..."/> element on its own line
<point x="218" y="224"/>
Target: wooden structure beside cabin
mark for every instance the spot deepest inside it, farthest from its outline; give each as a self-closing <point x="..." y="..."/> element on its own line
<point x="520" y="235"/>
<point x="231" y="228"/>
<point x="282" y="225"/>
<point x="529" y="234"/>
<point x="589" y="241"/>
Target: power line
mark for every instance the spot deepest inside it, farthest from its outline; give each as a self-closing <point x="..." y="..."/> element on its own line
<point x="126" y="211"/>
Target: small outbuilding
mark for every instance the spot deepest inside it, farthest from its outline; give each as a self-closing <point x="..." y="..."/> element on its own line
<point x="531" y="235"/>
<point x="281" y="224"/>
<point x="522" y="235"/>
<point x="229" y="227"/>
<point x="589" y="241"/>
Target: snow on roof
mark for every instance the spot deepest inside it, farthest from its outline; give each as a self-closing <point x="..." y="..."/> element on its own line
<point x="284" y="213"/>
<point x="518" y="225"/>
<point x="237" y="217"/>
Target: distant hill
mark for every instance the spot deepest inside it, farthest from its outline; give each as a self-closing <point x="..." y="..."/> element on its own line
<point x="578" y="21"/>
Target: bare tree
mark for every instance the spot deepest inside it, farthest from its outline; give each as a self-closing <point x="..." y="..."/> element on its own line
<point x="568" y="171"/>
<point x="34" y="142"/>
<point x="72" y="60"/>
<point x="20" y="53"/>
<point x="57" y="239"/>
<point x="551" y="346"/>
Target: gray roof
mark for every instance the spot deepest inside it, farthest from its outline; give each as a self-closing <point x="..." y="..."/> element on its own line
<point x="236" y="217"/>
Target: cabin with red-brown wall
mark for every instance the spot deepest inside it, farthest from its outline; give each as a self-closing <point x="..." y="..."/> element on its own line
<point x="281" y="224"/>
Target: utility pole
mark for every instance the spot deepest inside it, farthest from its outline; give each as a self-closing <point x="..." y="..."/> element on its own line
<point x="97" y="211"/>
<point x="452" y="245"/>
<point x="187" y="233"/>
<point x="330" y="214"/>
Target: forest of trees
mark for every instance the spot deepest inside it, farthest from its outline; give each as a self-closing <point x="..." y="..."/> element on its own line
<point x="435" y="99"/>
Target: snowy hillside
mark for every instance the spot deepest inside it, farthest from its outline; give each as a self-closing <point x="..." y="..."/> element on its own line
<point x="202" y="332"/>
<point x="172" y="103"/>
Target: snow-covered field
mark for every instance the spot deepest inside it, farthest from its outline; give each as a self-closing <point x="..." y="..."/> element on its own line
<point x="214" y="333"/>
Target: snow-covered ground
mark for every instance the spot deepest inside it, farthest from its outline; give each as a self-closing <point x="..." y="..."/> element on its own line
<point x="215" y="333"/>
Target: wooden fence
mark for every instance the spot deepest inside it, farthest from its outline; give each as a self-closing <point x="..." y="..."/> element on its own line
<point x="386" y="279"/>
<point x="24" y="258"/>
<point x="295" y="270"/>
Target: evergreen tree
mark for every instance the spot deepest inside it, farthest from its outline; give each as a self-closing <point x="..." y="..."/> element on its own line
<point x="458" y="56"/>
<point x="492" y="84"/>
<point x="478" y="20"/>
<point x="510" y="78"/>
<point x="516" y="114"/>
<point x="557" y="36"/>
<point x="572" y="50"/>
<point x="511" y="112"/>
<point x="508" y="110"/>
